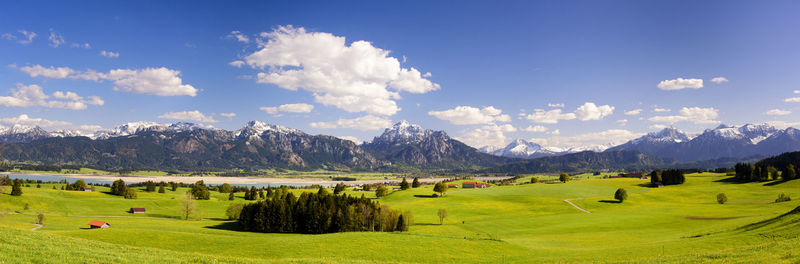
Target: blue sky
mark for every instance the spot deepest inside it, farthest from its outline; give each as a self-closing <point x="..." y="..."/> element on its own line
<point x="491" y="64"/>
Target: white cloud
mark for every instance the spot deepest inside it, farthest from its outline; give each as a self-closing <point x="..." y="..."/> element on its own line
<point x="364" y="123"/>
<point x="695" y="115"/>
<point x="549" y="117"/>
<point x="55" y="39"/>
<point x="8" y="36"/>
<point x="622" y="122"/>
<point x="33" y="95"/>
<point x="239" y="36"/>
<point x="236" y="63"/>
<point x="778" y="112"/>
<point x="27" y="37"/>
<point x="590" y="111"/>
<point x="24" y="119"/>
<point x="467" y="115"/>
<point x="109" y="54"/>
<point x="719" y="80"/>
<point x="658" y="126"/>
<point x="492" y="135"/>
<point x="555" y="132"/>
<point x="155" y="81"/>
<point x="78" y="45"/>
<point x="661" y="110"/>
<point x="680" y="83"/>
<point x="228" y="115"/>
<point x="634" y="112"/>
<point x="555" y="105"/>
<point x="792" y="100"/>
<point x="195" y="115"/>
<point x="608" y="137"/>
<point x="288" y="108"/>
<point x="356" y="77"/>
<point x="796" y="91"/>
<point x="535" y="129"/>
<point x="783" y="124"/>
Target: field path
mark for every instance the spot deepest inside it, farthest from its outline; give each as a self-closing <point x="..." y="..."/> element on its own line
<point x="573" y="205"/>
<point x="37" y="226"/>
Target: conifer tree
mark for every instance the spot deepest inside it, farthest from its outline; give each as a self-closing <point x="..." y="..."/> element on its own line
<point x="404" y="184"/>
<point x="415" y="183"/>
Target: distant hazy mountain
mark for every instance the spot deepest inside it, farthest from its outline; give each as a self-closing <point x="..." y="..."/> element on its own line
<point x="721" y="142"/>
<point x="407" y="144"/>
<point x="586" y="161"/>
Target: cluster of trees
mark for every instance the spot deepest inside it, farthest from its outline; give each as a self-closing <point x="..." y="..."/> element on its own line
<point x="200" y="191"/>
<point x="79" y="185"/>
<point x="119" y="188"/>
<point x="318" y="213"/>
<point x="760" y="172"/>
<point x="667" y="177"/>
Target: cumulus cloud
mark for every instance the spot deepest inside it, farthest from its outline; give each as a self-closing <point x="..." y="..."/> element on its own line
<point x="24" y="119"/>
<point x="109" y="54"/>
<point x="195" y="116"/>
<point x="658" y="126"/>
<point x="695" y="115"/>
<point x="608" y="137"/>
<point x="634" y="112"/>
<point x="555" y="105"/>
<point x="796" y="91"/>
<point x="33" y="95"/>
<point x="27" y="37"/>
<point x="719" y="80"/>
<point x="622" y="122"/>
<point x="778" y="112"/>
<point x="492" y="135"/>
<point x="236" y="63"/>
<point x="356" y="78"/>
<point x="228" y="115"/>
<point x="239" y="36"/>
<point x="792" y="100"/>
<point x="549" y="117"/>
<point x="535" y="129"/>
<point x="467" y="115"/>
<point x="351" y="138"/>
<point x="680" y="83"/>
<point x="55" y="39"/>
<point x="288" y="108"/>
<point x="661" y="110"/>
<point x="364" y="123"/>
<point x="154" y="81"/>
<point x="590" y="111"/>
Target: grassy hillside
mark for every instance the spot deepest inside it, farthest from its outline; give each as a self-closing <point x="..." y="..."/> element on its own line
<point x="512" y="224"/>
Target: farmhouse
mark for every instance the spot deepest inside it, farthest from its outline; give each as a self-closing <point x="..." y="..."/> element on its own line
<point x="468" y="185"/>
<point x="98" y="224"/>
<point x="137" y="210"/>
<point x="451" y="186"/>
<point x="88" y="189"/>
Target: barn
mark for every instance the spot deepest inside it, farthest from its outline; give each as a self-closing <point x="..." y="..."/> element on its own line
<point x="468" y="185"/>
<point x="98" y="224"/>
<point x="452" y="186"/>
<point x="137" y="210"/>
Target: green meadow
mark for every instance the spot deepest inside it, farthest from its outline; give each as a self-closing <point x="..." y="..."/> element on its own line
<point x="520" y="223"/>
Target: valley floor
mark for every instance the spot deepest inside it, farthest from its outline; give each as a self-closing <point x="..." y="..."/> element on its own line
<point x="528" y="223"/>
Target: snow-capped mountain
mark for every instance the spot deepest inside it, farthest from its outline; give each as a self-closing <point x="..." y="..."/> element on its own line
<point x="721" y="142"/>
<point x="22" y="133"/>
<point x="256" y="128"/>
<point x="520" y="148"/>
<point x="404" y="132"/>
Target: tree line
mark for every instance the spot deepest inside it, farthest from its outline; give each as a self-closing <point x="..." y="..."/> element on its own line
<point x="319" y="213"/>
<point x="667" y="177"/>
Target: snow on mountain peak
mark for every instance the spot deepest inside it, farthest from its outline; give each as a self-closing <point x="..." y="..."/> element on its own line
<point x="404" y="132"/>
<point x="256" y="128"/>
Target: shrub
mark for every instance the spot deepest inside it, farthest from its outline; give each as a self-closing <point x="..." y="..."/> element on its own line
<point x="621" y="195"/>
<point x="231" y="197"/>
<point x="783" y="198"/>
<point x="534" y="180"/>
<point x="161" y="189"/>
<point x="130" y="193"/>
<point x="234" y="211"/>
<point x="722" y="198"/>
<point x="339" y="188"/>
<point x="40" y="218"/>
<point x="381" y="191"/>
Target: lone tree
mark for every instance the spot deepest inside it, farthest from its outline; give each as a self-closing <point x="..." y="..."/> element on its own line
<point x="789" y="173"/>
<point x="415" y="183"/>
<point x="621" y="195"/>
<point x="564" y="177"/>
<point x="130" y="193"/>
<point x="339" y="188"/>
<point x="534" y="180"/>
<point x="40" y="218"/>
<point x="225" y="188"/>
<point x="200" y="192"/>
<point x="440" y="188"/>
<point x="188" y="205"/>
<point x="231" y="197"/>
<point x="16" y="188"/>
<point x="722" y="198"/>
<point x="381" y="191"/>
<point x="442" y="215"/>
<point x="404" y="185"/>
<point x="161" y="189"/>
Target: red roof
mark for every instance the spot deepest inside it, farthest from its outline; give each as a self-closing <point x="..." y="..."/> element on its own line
<point x="450" y="185"/>
<point x="137" y="209"/>
<point x="97" y="223"/>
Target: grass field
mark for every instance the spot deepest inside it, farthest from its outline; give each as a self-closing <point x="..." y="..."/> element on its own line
<point x="503" y="224"/>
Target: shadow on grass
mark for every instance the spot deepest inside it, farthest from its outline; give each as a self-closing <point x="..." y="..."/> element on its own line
<point x="609" y="201"/>
<point x="425" y="196"/>
<point x="427" y="224"/>
<point x="230" y="226"/>
<point x="775" y="182"/>
<point x="646" y="185"/>
<point x="162" y="216"/>
<point x="729" y="180"/>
